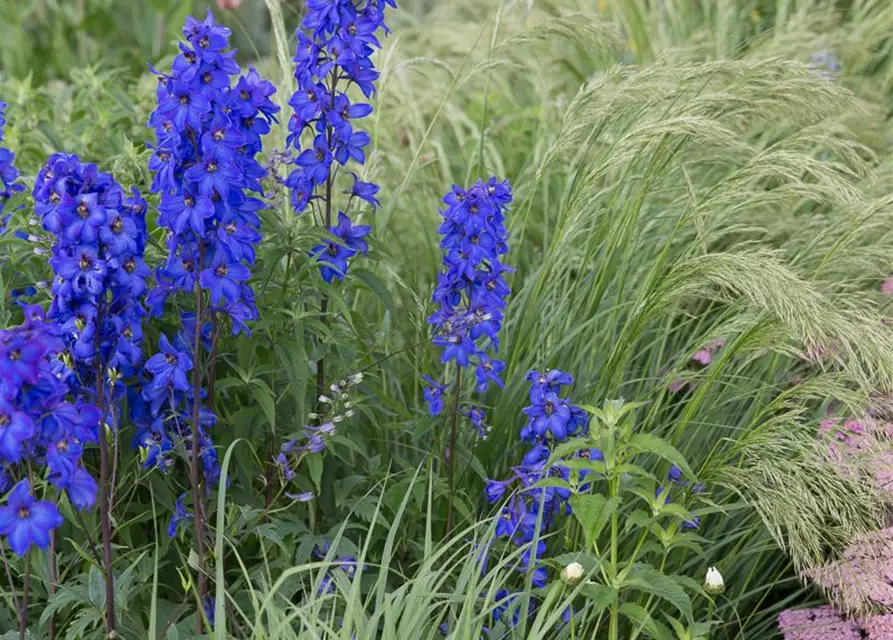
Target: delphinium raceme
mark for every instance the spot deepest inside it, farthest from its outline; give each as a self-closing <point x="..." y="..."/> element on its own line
<point x="334" y="54"/>
<point x="8" y="173"/>
<point x="530" y="511"/>
<point x="98" y="236"/>
<point x="42" y="435"/>
<point x="471" y="296"/>
<point x="208" y="127"/>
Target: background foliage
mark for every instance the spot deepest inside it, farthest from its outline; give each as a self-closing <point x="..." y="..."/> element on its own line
<point x="683" y="171"/>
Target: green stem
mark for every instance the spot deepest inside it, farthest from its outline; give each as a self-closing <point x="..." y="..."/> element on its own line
<point x="614" y="632"/>
<point x="451" y="462"/>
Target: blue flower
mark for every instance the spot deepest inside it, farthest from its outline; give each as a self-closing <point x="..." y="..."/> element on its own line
<point x="434" y="395"/>
<point x="333" y="57"/>
<point x="169" y="368"/>
<point x="25" y="521"/>
<point x="180" y="514"/>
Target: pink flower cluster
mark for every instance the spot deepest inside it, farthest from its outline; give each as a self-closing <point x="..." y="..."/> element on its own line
<point x="861" y="444"/>
<point x="827" y="623"/>
<point x="699" y="359"/>
<point x="863" y="575"/>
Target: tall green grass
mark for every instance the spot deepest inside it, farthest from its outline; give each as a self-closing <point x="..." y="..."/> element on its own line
<point x="680" y="174"/>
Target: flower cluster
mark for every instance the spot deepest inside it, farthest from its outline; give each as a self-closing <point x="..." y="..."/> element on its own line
<point x="701" y="358"/>
<point x="345" y="564"/>
<point x="822" y="623"/>
<point x="471" y="289"/>
<point x="551" y="419"/>
<point x="208" y="128"/>
<point x="827" y="623"/>
<point x="333" y="410"/>
<point x="864" y="574"/>
<point x="99" y="238"/>
<point x="8" y="173"/>
<point x="208" y="132"/>
<point x="335" y="56"/>
<point x="861" y="445"/>
<point x="40" y="427"/>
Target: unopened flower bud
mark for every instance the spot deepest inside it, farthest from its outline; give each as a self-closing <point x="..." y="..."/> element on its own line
<point x="572" y="573"/>
<point x="325" y="399"/>
<point x="713" y="583"/>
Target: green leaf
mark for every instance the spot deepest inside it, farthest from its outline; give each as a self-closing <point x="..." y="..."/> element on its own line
<point x="314" y="467"/>
<point x="641" y="619"/>
<point x="264" y="396"/>
<point x="646" y="578"/>
<point x="592" y="512"/>
<point x="600" y="596"/>
<point x="647" y="443"/>
<point x="96" y="588"/>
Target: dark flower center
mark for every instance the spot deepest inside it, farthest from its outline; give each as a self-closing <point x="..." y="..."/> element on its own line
<point x="184" y="99"/>
<point x="474" y="208"/>
<point x="54" y="197"/>
<point x="221" y="270"/>
<point x="549" y="408"/>
<point x="212" y="167"/>
<point x="15" y="355"/>
<point x="24" y="512"/>
<point x="127" y="333"/>
<point x="188" y="265"/>
<point x="117" y="225"/>
<point x="83" y="211"/>
<point x="80" y="322"/>
<point x="85" y="262"/>
<point x="332" y="250"/>
<point x="190" y="57"/>
<point x="219" y="135"/>
<point x="204" y="42"/>
<point x="4" y="420"/>
<point x="62" y="446"/>
<point x="243" y="94"/>
<point x="130" y="265"/>
<point x="231" y="227"/>
<point x="475" y="240"/>
<point x="171" y="359"/>
<point x="188" y="201"/>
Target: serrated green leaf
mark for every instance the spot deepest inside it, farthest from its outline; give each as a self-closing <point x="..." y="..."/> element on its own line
<point x="647" y="443"/>
<point x="649" y="580"/>
<point x="592" y="512"/>
<point x="642" y="619"/>
<point x="600" y="596"/>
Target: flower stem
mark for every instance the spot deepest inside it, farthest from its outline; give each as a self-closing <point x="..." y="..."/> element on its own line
<point x="105" y="522"/>
<point x="195" y="461"/>
<point x="614" y="632"/>
<point x="451" y="461"/>
<point x="51" y="570"/>
<point x="26" y="587"/>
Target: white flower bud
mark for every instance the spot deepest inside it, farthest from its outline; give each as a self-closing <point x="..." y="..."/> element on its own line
<point x="349" y="413"/>
<point x="313" y="415"/>
<point x="713" y="583"/>
<point x="572" y="573"/>
<point x="334" y="388"/>
<point x="356" y="378"/>
<point x="325" y="399"/>
<point x="337" y="419"/>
